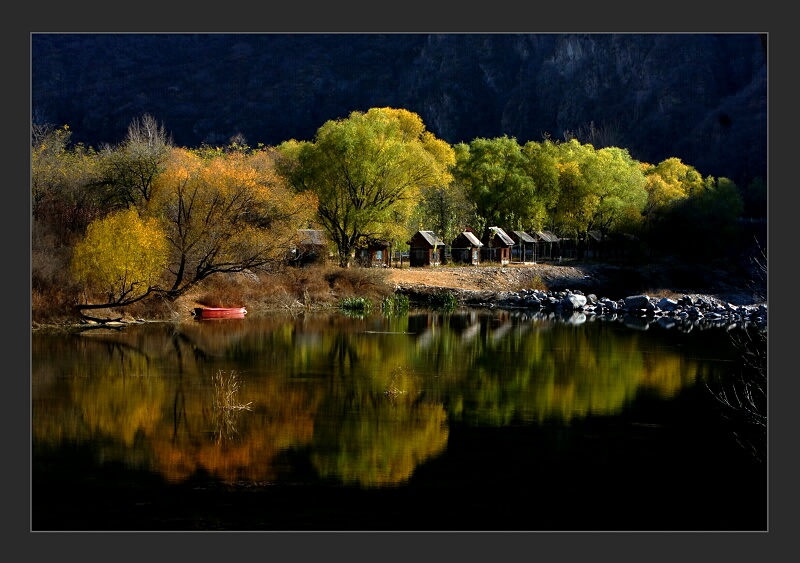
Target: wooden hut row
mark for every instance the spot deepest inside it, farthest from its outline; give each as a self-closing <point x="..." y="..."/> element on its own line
<point x="427" y="249"/>
<point x="497" y="246"/>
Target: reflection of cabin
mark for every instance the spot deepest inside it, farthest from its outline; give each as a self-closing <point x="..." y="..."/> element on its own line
<point x="425" y="249"/>
<point x="524" y="249"/>
<point x="546" y="241"/>
<point x="312" y="246"/>
<point x="497" y="246"/>
<point x="466" y="248"/>
<point x="374" y="254"/>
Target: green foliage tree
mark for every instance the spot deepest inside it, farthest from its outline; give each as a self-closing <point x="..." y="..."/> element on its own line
<point x="576" y="202"/>
<point x="598" y="189"/>
<point x="130" y="169"/>
<point x="495" y="177"/>
<point x="366" y="172"/>
<point x="541" y="165"/>
<point x="445" y="210"/>
<point x="60" y="173"/>
<point x="121" y="259"/>
<point x="617" y="184"/>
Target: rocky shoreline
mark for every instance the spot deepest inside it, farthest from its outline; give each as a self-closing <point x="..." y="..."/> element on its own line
<point x="637" y="311"/>
<point x="569" y="293"/>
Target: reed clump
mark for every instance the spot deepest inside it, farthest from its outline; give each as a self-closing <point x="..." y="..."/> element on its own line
<point x="226" y="405"/>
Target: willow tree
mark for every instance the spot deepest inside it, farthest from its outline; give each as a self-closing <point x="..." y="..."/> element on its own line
<point x="617" y="186"/>
<point x="120" y="260"/>
<point x="366" y="172"/>
<point x="495" y="177"/>
<point x="575" y="203"/>
<point x="446" y="210"/>
<point x="541" y="165"/>
<point x="598" y="189"/>
<point x="224" y="212"/>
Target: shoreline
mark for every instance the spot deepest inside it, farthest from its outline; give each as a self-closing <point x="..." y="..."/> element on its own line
<point x="486" y="285"/>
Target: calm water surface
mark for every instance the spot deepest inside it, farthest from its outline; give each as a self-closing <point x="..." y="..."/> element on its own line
<point x="472" y="420"/>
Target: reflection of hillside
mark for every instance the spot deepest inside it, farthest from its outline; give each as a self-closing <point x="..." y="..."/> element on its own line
<point x="380" y="442"/>
<point x="564" y="374"/>
<point x="280" y="417"/>
<point x="367" y="400"/>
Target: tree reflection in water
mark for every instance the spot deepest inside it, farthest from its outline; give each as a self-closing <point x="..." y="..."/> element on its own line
<point x="367" y="402"/>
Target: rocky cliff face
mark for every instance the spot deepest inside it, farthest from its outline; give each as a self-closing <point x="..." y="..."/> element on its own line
<point x="701" y="98"/>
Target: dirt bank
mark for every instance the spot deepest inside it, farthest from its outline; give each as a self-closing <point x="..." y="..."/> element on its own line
<point x="614" y="282"/>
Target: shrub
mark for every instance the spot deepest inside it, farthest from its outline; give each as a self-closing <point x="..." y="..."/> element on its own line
<point x="358" y="304"/>
<point x="443" y="301"/>
<point x="538" y="284"/>
<point x="395" y="304"/>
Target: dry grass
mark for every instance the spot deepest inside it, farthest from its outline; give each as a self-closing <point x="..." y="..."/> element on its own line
<point x="226" y="405"/>
<point x="662" y="293"/>
<point x="291" y="288"/>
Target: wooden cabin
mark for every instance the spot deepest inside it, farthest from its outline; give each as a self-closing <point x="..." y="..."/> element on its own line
<point x="546" y="241"/>
<point x="593" y="246"/>
<point x="425" y="249"/>
<point x="524" y="249"/>
<point x="466" y="248"/>
<point x="311" y="247"/>
<point x="497" y="246"/>
<point x="374" y="255"/>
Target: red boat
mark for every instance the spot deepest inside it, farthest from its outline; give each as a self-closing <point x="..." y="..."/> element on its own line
<point x="220" y="312"/>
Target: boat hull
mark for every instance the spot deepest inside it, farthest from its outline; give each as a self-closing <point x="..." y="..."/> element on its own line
<point x="220" y="312"/>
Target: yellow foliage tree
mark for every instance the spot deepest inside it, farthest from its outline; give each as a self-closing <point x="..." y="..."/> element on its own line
<point x="667" y="183"/>
<point x="224" y="212"/>
<point x="120" y="260"/>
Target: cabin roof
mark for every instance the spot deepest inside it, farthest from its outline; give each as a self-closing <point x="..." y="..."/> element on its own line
<point x="547" y="236"/>
<point x="431" y="238"/>
<point x="471" y="238"/>
<point x="523" y="236"/>
<point x="500" y="233"/>
<point x="310" y="237"/>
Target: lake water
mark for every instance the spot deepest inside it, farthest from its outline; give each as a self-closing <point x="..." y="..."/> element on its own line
<point x="474" y="420"/>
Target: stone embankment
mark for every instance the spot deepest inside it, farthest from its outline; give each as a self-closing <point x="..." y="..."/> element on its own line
<point x="639" y="311"/>
<point x="570" y="293"/>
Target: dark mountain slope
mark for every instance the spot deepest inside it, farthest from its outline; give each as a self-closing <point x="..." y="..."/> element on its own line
<point x="702" y="98"/>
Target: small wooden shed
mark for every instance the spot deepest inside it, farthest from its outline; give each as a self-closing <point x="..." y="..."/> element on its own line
<point x="524" y="249"/>
<point x="425" y="249"/>
<point x="545" y="241"/>
<point x="497" y="246"/>
<point x="311" y="247"/>
<point x="375" y="254"/>
<point x="465" y="248"/>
